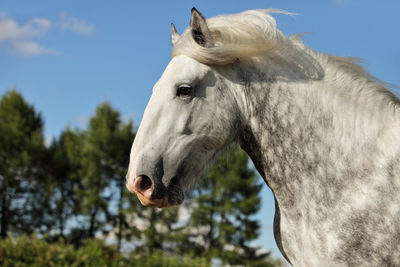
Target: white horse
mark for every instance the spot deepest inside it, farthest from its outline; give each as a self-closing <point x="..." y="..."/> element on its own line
<point x="322" y="132"/>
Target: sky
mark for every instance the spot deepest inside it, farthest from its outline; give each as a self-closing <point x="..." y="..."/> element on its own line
<point x="66" y="57"/>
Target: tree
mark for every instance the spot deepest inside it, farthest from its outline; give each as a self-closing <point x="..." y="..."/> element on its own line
<point x="63" y="170"/>
<point x="103" y="167"/>
<point x="21" y="154"/>
<point x="122" y="142"/>
<point x="222" y="223"/>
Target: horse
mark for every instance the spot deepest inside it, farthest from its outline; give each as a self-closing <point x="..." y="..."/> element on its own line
<point x="322" y="132"/>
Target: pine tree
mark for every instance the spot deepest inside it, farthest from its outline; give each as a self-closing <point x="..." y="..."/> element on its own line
<point x="105" y="157"/>
<point x="64" y="166"/>
<point x="122" y="142"/>
<point x="96" y="168"/>
<point x="21" y="154"/>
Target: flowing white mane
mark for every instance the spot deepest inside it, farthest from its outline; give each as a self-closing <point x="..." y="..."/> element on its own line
<point x="240" y="36"/>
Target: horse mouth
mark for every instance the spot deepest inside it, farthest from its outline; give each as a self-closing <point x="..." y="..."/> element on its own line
<point x="144" y="188"/>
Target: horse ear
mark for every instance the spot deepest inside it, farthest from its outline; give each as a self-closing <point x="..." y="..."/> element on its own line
<point x="174" y="34"/>
<point x="200" y="32"/>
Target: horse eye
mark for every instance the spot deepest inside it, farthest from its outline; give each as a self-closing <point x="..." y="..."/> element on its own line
<point x="184" y="90"/>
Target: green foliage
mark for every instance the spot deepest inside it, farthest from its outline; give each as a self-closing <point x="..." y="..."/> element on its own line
<point x="160" y="258"/>
<point x="104" y="157"/>
<point x="64" y="159"/>
<point x="22" y="189"/>
<point x="33" y="252"/>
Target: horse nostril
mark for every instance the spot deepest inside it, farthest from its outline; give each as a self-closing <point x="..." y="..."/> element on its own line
<point x="143" y="186"/>
<point x="145" y="183"/>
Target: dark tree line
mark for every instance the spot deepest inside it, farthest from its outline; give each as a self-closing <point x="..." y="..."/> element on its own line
<point x="74" y="190"/>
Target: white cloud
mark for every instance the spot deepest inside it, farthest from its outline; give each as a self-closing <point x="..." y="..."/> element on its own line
<point x="21" y="38"/>
<point x="30" y="48"/>
<point x="10" y="30"/>
<point x="73" y="24"/>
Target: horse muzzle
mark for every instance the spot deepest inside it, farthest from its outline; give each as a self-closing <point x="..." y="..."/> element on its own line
<point x="144" y="188"/>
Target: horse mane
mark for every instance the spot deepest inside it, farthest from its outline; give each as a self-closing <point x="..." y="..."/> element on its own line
<point x="242" y="36"/>
<point x="377" y="87"/>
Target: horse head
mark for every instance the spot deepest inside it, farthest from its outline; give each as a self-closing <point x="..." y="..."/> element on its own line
<point x="186" y="122"/>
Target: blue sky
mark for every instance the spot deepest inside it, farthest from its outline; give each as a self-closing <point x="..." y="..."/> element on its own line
<point x="66" y="57"/>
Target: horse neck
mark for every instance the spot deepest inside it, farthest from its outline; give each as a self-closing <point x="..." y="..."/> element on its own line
<point x="299" y="128"/>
